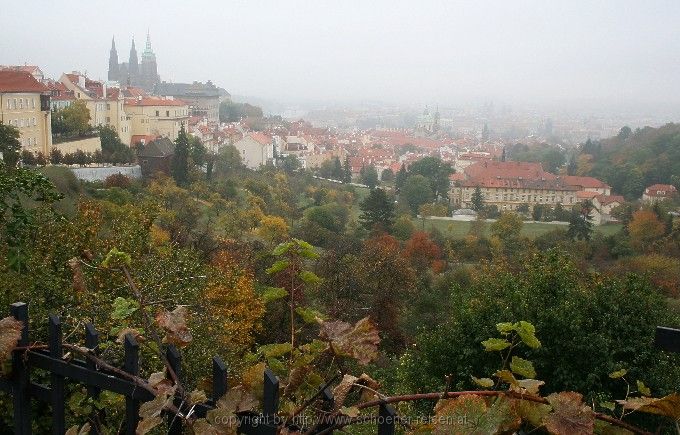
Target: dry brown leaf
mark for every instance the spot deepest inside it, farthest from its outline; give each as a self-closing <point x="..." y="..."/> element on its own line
<point x="359" y="341"/>
<point x="341" y="390"/>
<point x="174" y="323"/>
<point x="10" y="333"/>
<point x="668" y="406"/>
<point x="570" y="415"/>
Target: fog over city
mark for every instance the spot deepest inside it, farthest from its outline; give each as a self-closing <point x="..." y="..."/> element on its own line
<point x="576" y="54"/>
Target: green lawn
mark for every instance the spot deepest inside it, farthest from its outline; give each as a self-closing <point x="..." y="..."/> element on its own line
<point x="458" y="229"/>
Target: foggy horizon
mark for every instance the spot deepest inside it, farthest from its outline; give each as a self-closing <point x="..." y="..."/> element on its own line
<point x="620" y="56"/>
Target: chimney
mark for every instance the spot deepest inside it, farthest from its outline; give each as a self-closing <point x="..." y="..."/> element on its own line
<point x="139" y="98"/>
<point x="81" y="81"/>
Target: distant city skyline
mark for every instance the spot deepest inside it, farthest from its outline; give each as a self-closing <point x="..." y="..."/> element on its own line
<point x="621" y="55"/>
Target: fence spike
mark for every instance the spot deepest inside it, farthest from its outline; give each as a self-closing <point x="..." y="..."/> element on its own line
<point x="175" y="361"/>
<point x="131" y="366"/>
<point x="92" y="343"/>
<point x="220" y="383"/>
<point x="21" y="375"/>
<point x="387" y="417"/>
<point x="270" y="405"/>
<point x="56" y="381"/>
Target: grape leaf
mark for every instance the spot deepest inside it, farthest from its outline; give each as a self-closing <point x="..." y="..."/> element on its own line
<point x="527" y="332"/>
<point x="532" y="412"/>
<point x="150" y="413"/>
<point x="505" y="327"/>
<point x="642" y="388"/>
<point x="495" y="344"/>
<point x="507" y="377"/>
<point x="483" y="382"/>
<point x="73" y="430"/>
<point x="359" y="341"/>
<point x="570" y="415"/>
<point x="123" y="308"/>
<point x="470" y="414"/>
<point x="351" y="411"/>
<point x="174" y="324"/>
<point x="522" y="367"/>
<point x="668" y="406"/>
<point x="618" y="374"/>
<point x="530" y="386"/>
<point x="10" y="333"/>
<point x="197" y="396"/>
<point x="202" y="427"/>
<point x="116" y="258"/>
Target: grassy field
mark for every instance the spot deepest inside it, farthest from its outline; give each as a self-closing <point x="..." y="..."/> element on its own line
<point x="458" y="229"/>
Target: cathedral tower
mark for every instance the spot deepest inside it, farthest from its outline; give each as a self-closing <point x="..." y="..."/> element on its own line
<point x="113" y="62"/>
<point x="148" y="69"/>
<point x="133" y="64"/>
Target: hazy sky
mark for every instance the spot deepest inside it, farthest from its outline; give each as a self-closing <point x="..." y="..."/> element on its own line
<point x="616" y="52"/>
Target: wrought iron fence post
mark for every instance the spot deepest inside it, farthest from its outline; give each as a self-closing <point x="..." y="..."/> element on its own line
<point x="270" y="404"/>
<point x="21" y="375"/>
<point x="328" y="403"/>
<point x="131" y="366"/>
<point x="56" y="381"/>
<point x="386" y="420"/>
<point x="92" y="343"/>
<point x="219" y="384"/>
<point x="175" y="362"/>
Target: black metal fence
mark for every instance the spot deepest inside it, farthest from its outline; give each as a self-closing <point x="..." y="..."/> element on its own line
<point x="97" y="379"/>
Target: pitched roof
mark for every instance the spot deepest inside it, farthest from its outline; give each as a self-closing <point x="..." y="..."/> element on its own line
<point x="585" y="182"/>
<point x="586" y="194"/>
<point x="492" y="169"/>
<point x="609" y="199"/>
<point x="161" y="147"/>
<point x="660" y="189"/>
<point x="20" y="81"/>
<point x="260" y="138"/>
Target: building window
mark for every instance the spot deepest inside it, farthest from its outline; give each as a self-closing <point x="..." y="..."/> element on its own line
<point x="14" y="104"/>
<point x="32" y="103"/>
<point x="157" y="113"/>
<point x="108" y="106"/>
<point x="167" y="114"/>
<point x="21" y="103"/>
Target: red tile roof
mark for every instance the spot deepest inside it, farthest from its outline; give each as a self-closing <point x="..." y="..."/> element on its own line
<point x="491" y="169"/>
<point x="261" y="138"/>
<point x="137" y="138"/>
<point x="660" y="190"/>
<point x="585" y="194"/>
<point x="610" y="199"/>
<point x="20" y="81"/>
<point x="584" y="182"/>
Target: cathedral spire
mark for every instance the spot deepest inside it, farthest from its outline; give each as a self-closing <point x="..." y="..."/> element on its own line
<point x="114" y="72"/>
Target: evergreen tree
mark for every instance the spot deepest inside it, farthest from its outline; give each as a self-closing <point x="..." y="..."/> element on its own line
<point x="580" y="223"/>
<point x="477" y="200"/>
<point x="9" y="145"/>
<point x="347" y="172"/>
<point x="369" y="176"/>
<point x="377" y="211"/>
<point x="337" y="172"/>
<point x="180" y="160"/>
<point x="401" y="177"/>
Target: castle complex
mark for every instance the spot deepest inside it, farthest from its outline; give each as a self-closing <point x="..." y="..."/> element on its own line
<point x="132" y="72"/>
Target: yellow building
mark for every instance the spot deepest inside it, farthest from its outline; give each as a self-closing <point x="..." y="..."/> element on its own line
<point x="25" y="104"/>
<point x="105" y="104"/>
<point x="156" y="116"/>
<point x="509" y="194"/>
